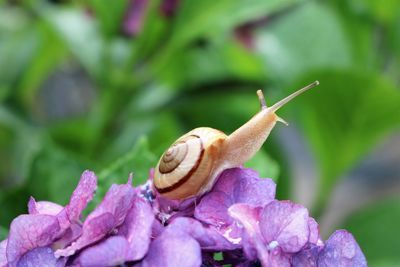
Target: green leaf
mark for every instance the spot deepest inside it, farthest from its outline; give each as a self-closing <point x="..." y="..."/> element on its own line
<point x="10" y="120"/>
<point x="138" y="161"/>
<point x="80" y="34"/>
<point x="301" y="41"/>
<point x="345" y="118"/>
<point x="229" y="109"/>
<point x="210" y="17"/>
<point x="384" y="263"/>
<point x="3" y="233"/>
<point x="161" y="129"/>
<point x="376" y="230"/>
<point x="216" y="62"/>
<point x="19" y="148"/>
<point x="385" y="14"/>
<point x="19" y="42"/>
<point x="13" y="202"/>
<point x="155" y="29"/>
<point x="55" y="174"/>
<point x="109" y="15"/>
<point x="264" y="165"/>
<point x="48" y="53"/>
<point x="218" y="256"/>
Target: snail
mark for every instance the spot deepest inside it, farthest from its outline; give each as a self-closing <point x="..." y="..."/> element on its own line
<point x="191" y="165"/>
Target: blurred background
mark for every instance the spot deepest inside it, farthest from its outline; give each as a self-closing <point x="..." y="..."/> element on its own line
<point x="108" y="86"/>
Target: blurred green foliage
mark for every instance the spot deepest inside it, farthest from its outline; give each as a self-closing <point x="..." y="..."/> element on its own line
<point x="82" y="83"/>
<point x="375" y="228"/>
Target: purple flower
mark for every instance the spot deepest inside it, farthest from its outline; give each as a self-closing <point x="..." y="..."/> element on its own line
<point x="43" y="207"/>
<point x="252" y="243"/>
<point x="238" y="217"/>
<point x="110" y="252"/>
<point x="134" y="17"/>
<point x="107" y="216"/>
<point x="130" y="241"/>
<point x="173" y="249"/>
<point x="169" y="7"/>
<point x="285" y="224"/>
<point x="208" y="237"/>
<point x="137" y="229"/>
<point x="307" y="257"/>
<point x="341" y="249"/>
<point x="234" y="186"/>
<point x="245" y="32"/>
<point x="28" y="232"/>
<point x="41" y="256"/>
<point x="3" y="257"/>
<point x="45" y="224"/>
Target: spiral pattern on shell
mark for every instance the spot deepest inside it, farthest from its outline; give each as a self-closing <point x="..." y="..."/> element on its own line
<point x="179" y="161"/>
<point x="173" y="157"/>
<point x="186" y="166"/>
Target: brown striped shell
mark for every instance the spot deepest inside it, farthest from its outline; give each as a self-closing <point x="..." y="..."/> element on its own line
<point x="187" y="168"/>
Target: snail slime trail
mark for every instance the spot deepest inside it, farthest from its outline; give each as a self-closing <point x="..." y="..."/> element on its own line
<point x="191" y="165"/>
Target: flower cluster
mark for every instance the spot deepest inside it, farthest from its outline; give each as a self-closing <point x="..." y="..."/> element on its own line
<point x="135" y="226"/>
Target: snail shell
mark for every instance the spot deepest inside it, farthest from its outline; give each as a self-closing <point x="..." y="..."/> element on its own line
<point x="187" y="161"/>
<point x="191" y="165"/>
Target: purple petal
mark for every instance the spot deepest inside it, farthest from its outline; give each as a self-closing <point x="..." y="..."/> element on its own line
<point x="81" y="196"/>
<point x="107" y="216"/>
<point x="172" y="249"/>
<point x="169" y="7"/>
<point x="246" y="215"/>
<point x="28" y="232"/>
<point x="137" y="229"/>
<point x="255" y="191"/>
<point x="43" y="207"/>
<point x="341" y="249"/>
<point x="168" y="209"/>
<point x="134" y="17"/>
<point x="252" y="242"/>
<point x="92" y="231"/>
<point x="314" y="237"/>
<point x="69" y="235"/>
<point x="3" y="257"/>
<point x="213" y="209"/>
<point x="277" y="258"/>
<point x="245" y="36"/>
<point x="245" y="264"/>
<point x="111" y="252"/>
<point x="157" y="228"/>
<point x="43" y="257"/>
<point x="253" y="248"/>
<point x="306" y="257"/>
<point x="235" y="257"/>
<point x="117" y="201"/>
<point x="235" y="185"/>
<point x="285" y="224"/>
<point x="246" y="186"/>
<point x="208" y="237"/>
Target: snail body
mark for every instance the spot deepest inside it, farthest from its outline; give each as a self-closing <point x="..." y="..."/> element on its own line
<point x="191" y="165"/>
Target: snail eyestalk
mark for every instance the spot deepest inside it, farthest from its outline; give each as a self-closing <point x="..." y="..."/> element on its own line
<point x="282" y="120"/>
<point x="262" y="99"/>
<point x="281" y="103"/>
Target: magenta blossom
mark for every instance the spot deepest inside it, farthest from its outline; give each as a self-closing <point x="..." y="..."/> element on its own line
<point x="239" y="218"/>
